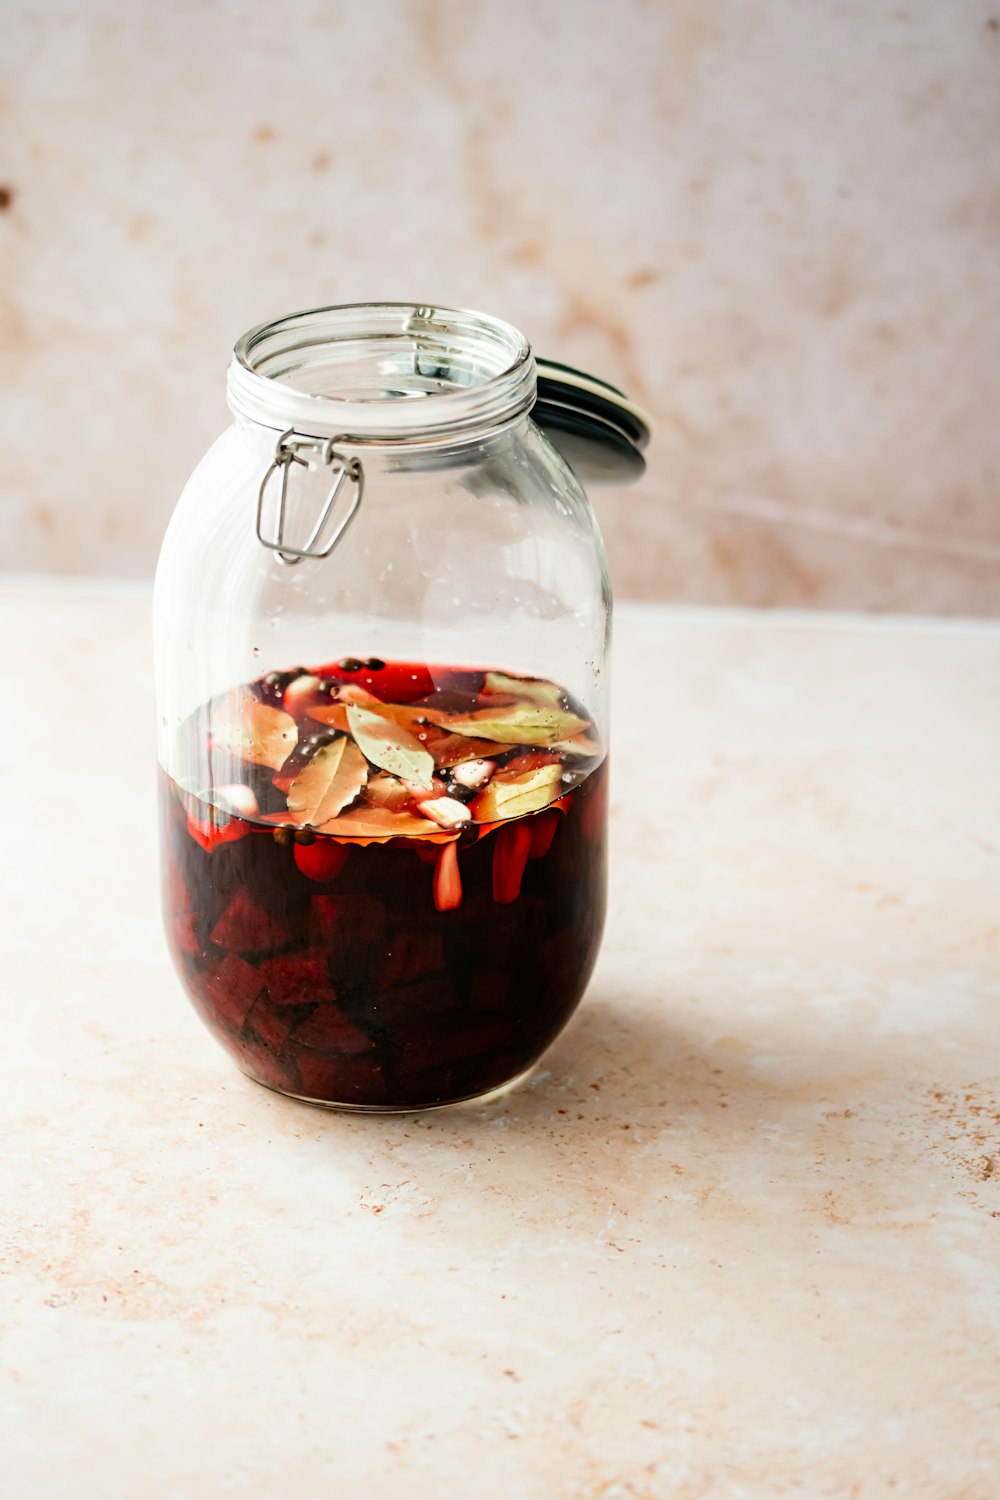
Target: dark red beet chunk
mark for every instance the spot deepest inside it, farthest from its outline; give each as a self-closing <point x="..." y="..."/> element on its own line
<point x="297" y="979"/>
<point x="328" y="1030"/>
<point x="273" y="1028"/>
<point x="231" y="988"/>
<point x="247" y="927"/>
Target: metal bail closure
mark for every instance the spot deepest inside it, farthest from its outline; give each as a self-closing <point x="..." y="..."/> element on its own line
<point x="290" y="448"/>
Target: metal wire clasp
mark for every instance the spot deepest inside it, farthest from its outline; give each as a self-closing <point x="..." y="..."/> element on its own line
<point x="289" y="450"/>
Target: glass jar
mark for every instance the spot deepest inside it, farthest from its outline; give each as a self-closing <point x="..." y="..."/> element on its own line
<point x="381" y="627"/>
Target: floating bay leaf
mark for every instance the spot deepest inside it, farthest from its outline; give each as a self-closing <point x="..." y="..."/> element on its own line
<point x="245" y="727"/>
<point x="411" y="719"/>
<point x="534" y="689"/>
<point x="519" y="724"/>
<point x="390" y="746"/>
<point x="452" y="749"/>
<point x="581" y="745"/>
<point x="511" y="796"/>
<point x="332" y="779"/>
<point x="379" y="823"/>
<point x="332" y="714"/>
<point x="388" y="791"/>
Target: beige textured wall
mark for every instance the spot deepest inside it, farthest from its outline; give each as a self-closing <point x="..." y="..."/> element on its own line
<point x="775" y="222"/>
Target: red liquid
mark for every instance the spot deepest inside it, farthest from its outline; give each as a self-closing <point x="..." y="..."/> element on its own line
<point x="396" y="974"/>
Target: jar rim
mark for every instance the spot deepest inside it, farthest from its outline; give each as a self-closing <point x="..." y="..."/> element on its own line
<point x="382" y="372"/>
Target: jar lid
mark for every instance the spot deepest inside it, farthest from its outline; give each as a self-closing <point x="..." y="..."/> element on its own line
<point x="597" y="429"/>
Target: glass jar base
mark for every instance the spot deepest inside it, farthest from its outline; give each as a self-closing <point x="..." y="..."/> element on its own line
<point x="487" y="1096"/>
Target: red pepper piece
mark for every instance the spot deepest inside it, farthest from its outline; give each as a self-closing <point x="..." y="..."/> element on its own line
<point x="447" y="879"/>
<point x="397" y="681"/>
<point x="510" y="855"/>
<point x="209" y="835"/>
<point x="321" y="860"/>
<point x="543" y="830"/>
<point x="393" y="682"/>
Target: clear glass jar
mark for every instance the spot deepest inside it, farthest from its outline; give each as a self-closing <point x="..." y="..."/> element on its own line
<point x="382" y="739"/>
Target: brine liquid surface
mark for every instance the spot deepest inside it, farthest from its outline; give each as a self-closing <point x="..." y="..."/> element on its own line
<point x="385" y="882"/>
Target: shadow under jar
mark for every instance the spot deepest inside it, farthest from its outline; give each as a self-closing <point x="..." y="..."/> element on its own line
<point x="381" y="621"/>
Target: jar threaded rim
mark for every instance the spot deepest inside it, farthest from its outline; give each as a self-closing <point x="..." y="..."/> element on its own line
<point x="392" y="372"/>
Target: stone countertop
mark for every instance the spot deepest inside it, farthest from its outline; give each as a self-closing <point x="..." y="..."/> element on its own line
<point x="738" y="1238"/>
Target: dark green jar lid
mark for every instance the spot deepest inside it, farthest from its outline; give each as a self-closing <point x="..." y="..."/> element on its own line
<point x="597" y="429"/>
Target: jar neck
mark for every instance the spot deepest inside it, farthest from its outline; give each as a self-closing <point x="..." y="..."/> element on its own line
<point x="394" y="375"/>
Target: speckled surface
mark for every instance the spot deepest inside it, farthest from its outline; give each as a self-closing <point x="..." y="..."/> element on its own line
<point x="738" y="1239"/>
<point x="773" y="223"/>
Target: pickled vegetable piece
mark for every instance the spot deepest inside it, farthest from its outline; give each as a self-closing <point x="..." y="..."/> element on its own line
<point x="330" y="781"/>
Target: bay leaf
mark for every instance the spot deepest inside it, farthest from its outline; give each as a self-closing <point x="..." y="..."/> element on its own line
<point x="388" y="791"/>
<point x="533" y="689"/>
<point x="580" y="745"/>
<point x="254" y="731"/>
<point x="379" y="823"/>
<point x="519" y="724"/>
<point x="332" y="712"/>
<point x="452" y="749"/>
<point x="334" y="715"/>
<point x="413" y="720"/>
<point x="332" y="779"/>
<point x="390" y="746"/>
<point x="512" y="796"/>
